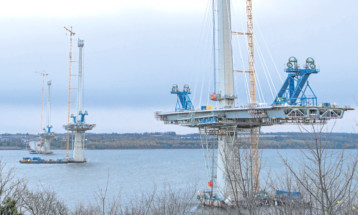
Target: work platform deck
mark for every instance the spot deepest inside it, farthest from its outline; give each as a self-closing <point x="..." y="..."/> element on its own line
<point x="37" y="160"/>
<point x="253" y="116"/>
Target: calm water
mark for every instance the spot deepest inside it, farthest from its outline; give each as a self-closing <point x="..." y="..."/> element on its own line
<point x="129" y="172"/>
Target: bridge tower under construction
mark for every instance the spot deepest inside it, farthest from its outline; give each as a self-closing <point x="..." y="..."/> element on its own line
<point x="78" y="125"/>
<point x="227" y="127"/>
<point x="48" y="135"/>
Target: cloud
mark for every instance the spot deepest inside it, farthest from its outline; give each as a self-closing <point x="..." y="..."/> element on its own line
<point x="135" y="51"/>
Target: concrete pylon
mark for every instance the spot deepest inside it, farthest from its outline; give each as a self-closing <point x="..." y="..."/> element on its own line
<point x="224" y="54"/>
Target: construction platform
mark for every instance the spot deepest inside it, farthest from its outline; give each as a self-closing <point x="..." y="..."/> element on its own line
<point x="253" y="116"/>
<point x="79" y="127"/>
<point x="38" y="160"/>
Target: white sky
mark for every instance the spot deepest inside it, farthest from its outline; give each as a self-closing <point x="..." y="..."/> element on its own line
<point x="136" y="49"/>
<point x="91" y="8"/>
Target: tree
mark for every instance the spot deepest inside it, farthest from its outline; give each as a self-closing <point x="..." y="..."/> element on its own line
<point x="242" y="166"/>
<point x="11" y="189"/>
<point x="43" y="202"/>
<point x="8" y="207"/>
<point x="326" y="178"/>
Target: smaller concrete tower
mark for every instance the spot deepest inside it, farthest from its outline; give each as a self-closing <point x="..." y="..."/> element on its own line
<point x="48" y="135"/>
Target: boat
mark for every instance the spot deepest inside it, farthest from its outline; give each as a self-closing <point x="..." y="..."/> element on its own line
<point x="38" y="160"/>
<point x="33" y="152"/>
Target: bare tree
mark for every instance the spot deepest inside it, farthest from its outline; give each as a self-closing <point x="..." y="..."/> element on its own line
<point x="327" y="178"/>
<point x="88" y="209"/>
<point x="287" y="204"/>
<point x="167" y="201"/>
<point x="241" y="174"/>
<point x="11" y="188"/>
<point x="43" y="202"/>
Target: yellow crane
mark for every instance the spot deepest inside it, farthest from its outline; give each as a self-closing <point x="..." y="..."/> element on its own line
<point x="252" y="87"/>
<point x="254" y="132"/>
<point x="69" y="92"/>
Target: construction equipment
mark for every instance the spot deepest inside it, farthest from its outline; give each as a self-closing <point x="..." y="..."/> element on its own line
<point x="69" y="91"/>
<point x="293" y="91"/>
<point x="183" y="101"/>
<point x="228" y="127"/>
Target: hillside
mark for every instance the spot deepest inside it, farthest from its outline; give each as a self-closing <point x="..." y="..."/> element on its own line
<point x="171" y="140"/>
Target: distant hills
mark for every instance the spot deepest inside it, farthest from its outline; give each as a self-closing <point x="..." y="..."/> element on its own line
<point x="171" y="140"/>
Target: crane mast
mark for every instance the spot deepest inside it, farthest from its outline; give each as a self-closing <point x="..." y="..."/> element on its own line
<point x="251" y="57"/>
<point x="69" y="92"/>
<point x="254" y="132"/>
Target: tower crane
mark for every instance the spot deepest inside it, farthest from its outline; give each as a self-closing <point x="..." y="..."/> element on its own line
<point x="69" y="91"/>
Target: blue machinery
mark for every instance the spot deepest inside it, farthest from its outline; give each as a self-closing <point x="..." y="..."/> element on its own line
<point x="48" y="129"/>
<point x="294" y="89"/>
<point x="81" y="121"/>
<point x="183" y="101"/>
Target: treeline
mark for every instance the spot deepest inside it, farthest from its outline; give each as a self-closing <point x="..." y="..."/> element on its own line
<point x="171" y="140"/>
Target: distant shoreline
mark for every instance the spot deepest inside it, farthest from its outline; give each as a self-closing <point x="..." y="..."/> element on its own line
<point x="171" y="140"/>
<point x="10" y="148"/>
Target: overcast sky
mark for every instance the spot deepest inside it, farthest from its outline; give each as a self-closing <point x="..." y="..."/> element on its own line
<point x="136" y="49"/>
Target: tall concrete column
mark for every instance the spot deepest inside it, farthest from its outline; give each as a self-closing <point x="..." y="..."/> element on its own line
<point x="47" y="145"/>
<point x="221" y="176"/>
<point x="224" y="54"/>
<point x="226" y="157"/>
<point x="78" y="147"/>
<point x="79" y="90"/>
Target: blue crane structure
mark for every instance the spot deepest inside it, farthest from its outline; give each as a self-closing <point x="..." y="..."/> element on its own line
<point x="183" y="102"/>
<point x="48" y="129"/>
<point x="80" y="119"/>
<point x="294" y="89"/>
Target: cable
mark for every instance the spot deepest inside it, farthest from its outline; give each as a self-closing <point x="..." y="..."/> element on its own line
<point x="198" y="76"/>
<point x="214" y="42"/>
<point x="268" y="50"/>
<point x="245" y="75"/>
<point x="266" y="72"/>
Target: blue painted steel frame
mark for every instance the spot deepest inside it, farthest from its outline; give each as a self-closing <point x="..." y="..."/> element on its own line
<point x="294" y="88"/>
<point x="82" y="121"/>
<point x="48" y="130"/>
<point x="183" y="101"/>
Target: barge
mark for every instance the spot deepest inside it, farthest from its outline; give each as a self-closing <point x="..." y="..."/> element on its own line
<point x="38" y="160"/>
